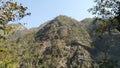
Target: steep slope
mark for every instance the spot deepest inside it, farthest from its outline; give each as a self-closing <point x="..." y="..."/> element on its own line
<point x="90" y="25"/>
<point x="60" y="43"/>
<point x="64" y="44"/>
<point x="64" y="28"/>
<point x="106" y="45"/>
<point x="17" y="29"/>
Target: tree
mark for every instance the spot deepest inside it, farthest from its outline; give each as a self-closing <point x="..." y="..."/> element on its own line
<point x="10" y="11"/>
<point x="108" y="16"/>
<point x="107" y="11"/>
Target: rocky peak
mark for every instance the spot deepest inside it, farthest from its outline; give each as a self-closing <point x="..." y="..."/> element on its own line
<point x="64" y="38"/>
<point x="63" y="27"/>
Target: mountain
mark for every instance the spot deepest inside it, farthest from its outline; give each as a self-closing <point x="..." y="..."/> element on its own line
<point x="64" y="28"/>
<point x="18" y="27"/>
<point x="16" y="30"/>
<point x="106" y="45"/>
<point x="63" y="40"/>
<point x="59" y="43"/>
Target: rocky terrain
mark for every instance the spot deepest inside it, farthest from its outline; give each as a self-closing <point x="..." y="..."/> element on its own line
<point x="60" y="43"/>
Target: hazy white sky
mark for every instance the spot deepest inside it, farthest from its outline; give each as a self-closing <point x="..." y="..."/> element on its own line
<point x="44" y="10"/>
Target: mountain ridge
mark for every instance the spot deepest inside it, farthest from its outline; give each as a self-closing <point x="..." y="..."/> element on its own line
<point x="65" y="42"/>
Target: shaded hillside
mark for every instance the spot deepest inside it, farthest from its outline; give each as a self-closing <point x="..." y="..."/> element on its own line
<point x="64" y="28"/>
<point x="63" y="39"/>
<point x="60" y="43"/>
<point x="88" y="23"/>
<point x="90" y="26"/>
<point x="105" y="43"/>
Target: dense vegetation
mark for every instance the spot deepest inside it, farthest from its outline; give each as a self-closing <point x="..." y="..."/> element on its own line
<point x="61" y="43"/>
<point x="10" y="11"/>
<point x="108" y="12"/>
<point x="108" y="19"/>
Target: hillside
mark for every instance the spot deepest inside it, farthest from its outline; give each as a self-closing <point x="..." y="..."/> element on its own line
<point x="106" y="45"/>
<point x="60" y="43"/>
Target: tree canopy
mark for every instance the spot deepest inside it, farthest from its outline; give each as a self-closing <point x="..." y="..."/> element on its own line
<point x="108" y="16"/>
<point x="107" y="11"/>
<point x="10" y="11"/>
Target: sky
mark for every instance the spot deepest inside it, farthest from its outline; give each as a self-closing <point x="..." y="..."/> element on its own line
<point x="45" y="10"/>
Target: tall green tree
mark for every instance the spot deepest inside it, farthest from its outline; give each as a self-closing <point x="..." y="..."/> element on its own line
<point x="107" y="11"/>
<point x="10" y="11"/>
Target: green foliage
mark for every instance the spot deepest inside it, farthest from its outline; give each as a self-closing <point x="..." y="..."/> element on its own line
<point x="107" y="11"/>
<point x="8" y="58"/>
<point x="107" y="14"/>
<point x="57" y="45"/>
<point x="10" y="11"/>
<point x="108" y="64"/>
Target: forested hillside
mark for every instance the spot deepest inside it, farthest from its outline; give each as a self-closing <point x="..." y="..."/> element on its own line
<point x="60" y="43"/>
